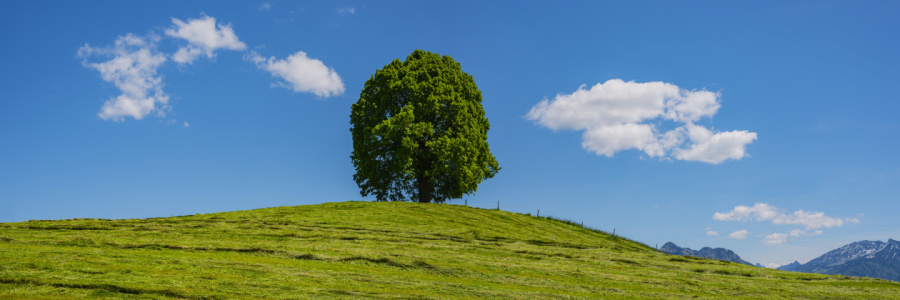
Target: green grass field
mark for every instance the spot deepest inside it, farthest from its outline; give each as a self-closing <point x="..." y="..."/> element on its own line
<point x="374" y="249"/>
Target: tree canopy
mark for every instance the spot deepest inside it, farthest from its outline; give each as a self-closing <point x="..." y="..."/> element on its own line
<point x="420" y="132"/>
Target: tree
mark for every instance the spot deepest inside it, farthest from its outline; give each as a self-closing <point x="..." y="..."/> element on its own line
<point x="419" y="132"/>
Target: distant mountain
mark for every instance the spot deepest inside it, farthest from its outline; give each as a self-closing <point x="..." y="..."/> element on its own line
<point x="707" y="252"/>
<point x="840" y="256"/>
<point x="874" y="259"/>
<point x="790" y="267"/>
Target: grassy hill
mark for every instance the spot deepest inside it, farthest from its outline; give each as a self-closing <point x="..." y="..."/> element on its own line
<point x="374" y="249"/>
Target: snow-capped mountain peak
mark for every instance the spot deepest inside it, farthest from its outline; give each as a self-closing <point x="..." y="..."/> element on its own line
<point x="847" y="253"/>
<point x="865" y="258"/>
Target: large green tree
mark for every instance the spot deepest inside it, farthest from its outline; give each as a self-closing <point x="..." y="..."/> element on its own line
<point x="419" y="132"/>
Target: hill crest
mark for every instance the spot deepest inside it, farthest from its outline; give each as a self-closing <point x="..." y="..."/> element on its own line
<point x="372" y="249"/>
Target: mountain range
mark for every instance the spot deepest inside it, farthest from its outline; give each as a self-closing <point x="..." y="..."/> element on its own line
<point x="706" y="252"/>
<point x="874" y="259"/>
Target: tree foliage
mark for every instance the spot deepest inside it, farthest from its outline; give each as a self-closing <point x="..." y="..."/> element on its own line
<point x="420" y="132"/>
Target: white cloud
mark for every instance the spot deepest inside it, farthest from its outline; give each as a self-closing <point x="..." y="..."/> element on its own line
<point x="765" y="212"/>
<point x="762" y="212"/>
<point x="346" y="10"/>
<point x="710" y="232"/>
<point x="740" y="234"/>
<point x="133" y="70"/>
<point x="811" y="220"/>
<point x="204" y="37"/>
<point x="266" y="6"/>
<point x="134" y="63"/>
<point x="775" y="239"/>
<point x="800" y="232"/>
<point x="186" y="55"/>
<point x="759" y="212"/>
<point x="618" y="115"/>
<point x="714" y="148"/>
<point x="610" y="139"/>
<point x="302" y="74"/>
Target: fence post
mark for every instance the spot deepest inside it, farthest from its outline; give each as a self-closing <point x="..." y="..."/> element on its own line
<point x="498" y="204"/>
<point x="539" y="213"/>
<point x="614" y="232"/>
<point x="467" y="202"/>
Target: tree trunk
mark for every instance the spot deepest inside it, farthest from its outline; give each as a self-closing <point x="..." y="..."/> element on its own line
<point x="426" y="188"/>
<point x="425" y="182"/>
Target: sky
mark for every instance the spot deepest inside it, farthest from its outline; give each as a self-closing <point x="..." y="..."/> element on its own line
<point x="768" y="127"/>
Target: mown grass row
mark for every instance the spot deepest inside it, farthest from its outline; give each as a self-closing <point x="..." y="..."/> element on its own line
<point x="365" y="249"/>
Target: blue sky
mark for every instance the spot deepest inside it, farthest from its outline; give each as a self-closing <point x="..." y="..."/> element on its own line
<point x="768" y="128"/>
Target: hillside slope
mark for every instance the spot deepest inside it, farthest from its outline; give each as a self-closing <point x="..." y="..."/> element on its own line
<point x="373" y="249"/>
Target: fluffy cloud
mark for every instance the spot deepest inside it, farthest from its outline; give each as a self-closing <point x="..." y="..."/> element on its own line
<point x="775" y="239"/>
<point x="811" y="220"/>
<point x="740" y="234"/>
<point x="765" y="212"/>
<point x="710" y="232"/>
<point x="133" y="70"/>
<point x="204" y="37"/>
<point x="134" y="62"/>
<point x="714" y="148"/>
<point x="608" y="140"/>
<point x="618" y="115"/>
<point x="759" y="212"/>
<point x="301" y="73"/>
<point x="762" y="212"/>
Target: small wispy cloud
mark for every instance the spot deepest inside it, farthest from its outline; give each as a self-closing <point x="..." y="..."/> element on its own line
<point x="801" y="232"/>
<point x="765" y="212"/>
<point x="762" y="212"/>
<point x="711" y="232"/>
<point x="740" y="234"/>
<point x="266" y="6"/>
<point x="346" y="10"/>
<point x="759" y="212"/>
<point x="775" y="239"/>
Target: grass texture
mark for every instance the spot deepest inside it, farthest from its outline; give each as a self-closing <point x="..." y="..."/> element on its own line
<point x="374" y="250"/>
